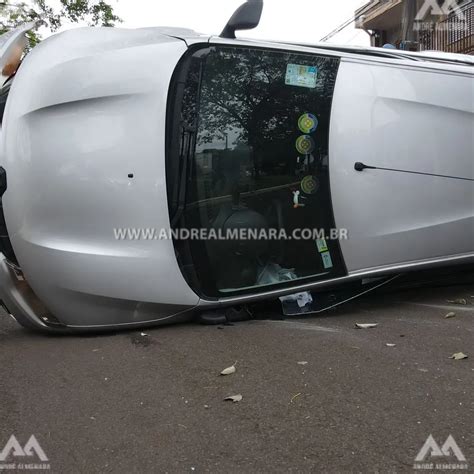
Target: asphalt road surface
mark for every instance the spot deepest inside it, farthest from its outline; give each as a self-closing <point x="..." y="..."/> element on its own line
<point x="318" y="394"/>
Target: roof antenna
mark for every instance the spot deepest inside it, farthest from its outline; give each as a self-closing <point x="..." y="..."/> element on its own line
<point x="246" y="17"/>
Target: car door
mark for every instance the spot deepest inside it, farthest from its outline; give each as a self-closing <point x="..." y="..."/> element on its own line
<point x="414" y="124"/>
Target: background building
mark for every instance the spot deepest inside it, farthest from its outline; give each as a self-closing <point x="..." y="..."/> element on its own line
<point x="420" y="24"/>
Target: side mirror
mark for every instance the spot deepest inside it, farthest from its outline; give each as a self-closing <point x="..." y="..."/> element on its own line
<point x="246" y="17"/>
<point x="12" y="45"/>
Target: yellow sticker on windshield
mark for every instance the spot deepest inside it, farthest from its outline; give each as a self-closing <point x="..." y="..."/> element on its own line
<point x="308" y="123"/>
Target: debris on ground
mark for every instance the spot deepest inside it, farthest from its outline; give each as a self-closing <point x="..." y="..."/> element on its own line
<point x="142" y="339"/>
<point x="229" y="370"/>
<point x="450" y="315"/>
<point x="390" y="345"/>
<point x="366" y="326"/>
<point x="294" y="397"/>
<point x="302" y="362"/>
<point x="234" y="398"/>
<point x="462" y="301"/>
<point x="459" y="356"/>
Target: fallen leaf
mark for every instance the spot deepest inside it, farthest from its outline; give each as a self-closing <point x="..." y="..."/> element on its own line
<point x="229" y="370"/>
<point x="450" y="315"/>
<point x="458" y="301"/>
<point x="294" y="397"/>
<point x="459" y="356"/>
<point x="303" y="362"/>
<point x="366" y="326"/>
<point x="390" y="345"/>
<point x="234" y="398"/>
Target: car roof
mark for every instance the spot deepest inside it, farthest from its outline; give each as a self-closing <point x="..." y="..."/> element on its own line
<point x="369" y="51"/>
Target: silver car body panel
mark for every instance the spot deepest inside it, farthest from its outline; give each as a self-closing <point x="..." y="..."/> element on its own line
<point x="395" y="217"/>
<point x="88" y="108"/>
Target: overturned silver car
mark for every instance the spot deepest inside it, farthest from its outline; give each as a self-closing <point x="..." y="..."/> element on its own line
<point x="147" y="175"/>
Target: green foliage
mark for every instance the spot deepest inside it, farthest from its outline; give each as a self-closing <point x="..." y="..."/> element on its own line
<point x="92" y="12"/>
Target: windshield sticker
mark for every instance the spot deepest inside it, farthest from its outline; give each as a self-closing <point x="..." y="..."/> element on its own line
<point x="301" y="76"/>
<point x="308" y="123"/>
<point x="322" y="245"/>
<point x="327" y="260"/>
<point x="305" y="145"/>
<point x="309" y="185"/>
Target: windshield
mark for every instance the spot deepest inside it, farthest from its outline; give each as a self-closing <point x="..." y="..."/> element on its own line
<point x="254" y="132"/>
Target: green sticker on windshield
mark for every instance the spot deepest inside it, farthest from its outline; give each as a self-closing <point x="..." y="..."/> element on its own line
<point x="327" y="260"/>
<point x="322" y="245"/>
<point x="308" y="123"/>
<point x="305" y="144"/>
<point x="301" y="76"/>
<point x="309" y="185"/>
